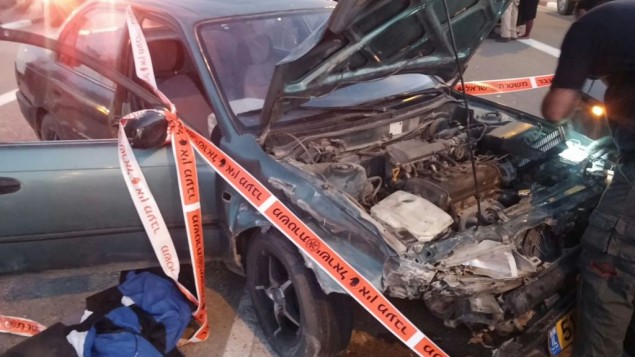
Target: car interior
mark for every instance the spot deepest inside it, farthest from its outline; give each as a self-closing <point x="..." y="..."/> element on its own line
<point x="244" y="60"/>
<point x="223" y="51"/>
<point x="243" y="53"/>
<point x="179" y="82"/>
<point x="259" y="69"/>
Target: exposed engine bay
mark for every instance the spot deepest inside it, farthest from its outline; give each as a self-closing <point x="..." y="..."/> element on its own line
<point x="483" y="242"/>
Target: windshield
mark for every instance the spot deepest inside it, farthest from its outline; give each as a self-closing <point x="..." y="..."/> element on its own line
<point x="244" y="52"/>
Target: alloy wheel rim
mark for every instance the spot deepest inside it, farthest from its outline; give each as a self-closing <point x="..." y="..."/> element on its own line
<point x="51" y="135"/>
<point x="277" y="293"/>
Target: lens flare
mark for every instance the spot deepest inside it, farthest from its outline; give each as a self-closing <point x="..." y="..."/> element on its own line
<point x="575" y="151"/>
<point x="598" y="110"/>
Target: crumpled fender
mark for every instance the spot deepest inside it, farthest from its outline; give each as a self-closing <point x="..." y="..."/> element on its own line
<point x="327" y="212"/>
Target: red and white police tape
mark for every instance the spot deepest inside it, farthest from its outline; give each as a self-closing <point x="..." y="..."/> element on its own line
<point x="498" y="86"/>
<point x="187" y="177"/>
<point x="19" y="326"/>
<point x="183" y="140"/>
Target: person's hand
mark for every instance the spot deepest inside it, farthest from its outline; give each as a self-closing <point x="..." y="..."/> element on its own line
<point x="559" y="103"/>
<point x="579" y="13"/>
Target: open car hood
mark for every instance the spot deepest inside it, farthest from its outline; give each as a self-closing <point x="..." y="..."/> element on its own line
<point x="371" y="39"/>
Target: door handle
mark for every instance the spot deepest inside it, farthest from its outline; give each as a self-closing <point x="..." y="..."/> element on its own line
<point x="9" y="185"/>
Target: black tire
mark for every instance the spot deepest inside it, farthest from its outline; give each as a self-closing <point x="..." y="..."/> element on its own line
<point x="309" y="323"/>
<point x="49" y="130"/>
<point x="566" y="7"/>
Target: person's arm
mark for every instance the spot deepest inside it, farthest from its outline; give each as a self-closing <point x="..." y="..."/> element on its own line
<point x="579" y="13"/>
<point x="582" y="7"/>
<point x="559" y="103"/>
<point x="580" y="47"/>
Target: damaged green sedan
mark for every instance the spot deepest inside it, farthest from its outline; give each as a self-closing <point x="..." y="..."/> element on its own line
<point x="346" y="113"/>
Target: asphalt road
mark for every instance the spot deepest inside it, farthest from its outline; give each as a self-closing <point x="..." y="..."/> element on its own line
<point x="13" y="127"/>
<point x="522" y="58"/>
<point x="59" y="296"/>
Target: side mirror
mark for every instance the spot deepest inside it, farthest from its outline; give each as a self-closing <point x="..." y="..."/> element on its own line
<point x="149" y="130"/>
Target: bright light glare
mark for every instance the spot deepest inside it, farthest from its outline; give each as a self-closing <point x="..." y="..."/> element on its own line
<point x="575" y="152"/>
<point x="609" y="176"/>
<point x="409" y="99"/>
<point x="597" y="110"/>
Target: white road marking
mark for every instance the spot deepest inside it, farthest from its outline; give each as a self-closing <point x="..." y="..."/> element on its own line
<point x="16" y="25"/>
<point x="8" y="97"/>
<point x="543" y="47"/>
<point x="241" y="337"/>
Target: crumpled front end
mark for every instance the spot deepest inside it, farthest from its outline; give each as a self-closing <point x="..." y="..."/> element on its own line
<point x="493" y="276"/>
<point x="486" y="263"/>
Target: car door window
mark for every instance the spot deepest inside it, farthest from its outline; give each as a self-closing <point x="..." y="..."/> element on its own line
<point x="175" y="73"/>
<point x="97" y="33"/>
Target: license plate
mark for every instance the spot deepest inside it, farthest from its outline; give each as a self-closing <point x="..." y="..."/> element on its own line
<point x="561" y="335"/>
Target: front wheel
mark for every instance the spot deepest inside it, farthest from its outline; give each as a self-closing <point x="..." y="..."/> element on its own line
<point x="49" y="130"/>
<point x="297" y="317"/>
<point x="565" y="7"/>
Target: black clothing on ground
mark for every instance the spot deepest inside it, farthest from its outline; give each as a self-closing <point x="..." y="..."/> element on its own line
<point x="600" y="45"/>
<point x="527" y="10"/>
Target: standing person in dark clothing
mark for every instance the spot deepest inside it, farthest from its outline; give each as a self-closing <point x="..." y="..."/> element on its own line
<point x="527" y="10"/>
<point x="601" y="45"/>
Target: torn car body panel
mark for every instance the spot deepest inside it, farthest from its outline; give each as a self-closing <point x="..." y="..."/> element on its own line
<point x="325" y="210"/>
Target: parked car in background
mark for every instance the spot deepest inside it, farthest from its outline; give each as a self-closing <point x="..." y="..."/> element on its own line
<point x="348" y="115"/>
<point x="566" y="7"/>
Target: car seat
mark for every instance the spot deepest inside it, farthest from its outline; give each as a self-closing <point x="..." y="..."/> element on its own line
<point x="168" y="61"/>
<point x="259" y="71"/>
<point x="222" y="49"/>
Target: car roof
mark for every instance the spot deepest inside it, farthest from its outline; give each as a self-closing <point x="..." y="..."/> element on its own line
<point x="197" y="10"/>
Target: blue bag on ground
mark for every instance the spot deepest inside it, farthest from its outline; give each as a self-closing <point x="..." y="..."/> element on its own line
<point x="151" y="326"/>
<point x="143" y="316"/>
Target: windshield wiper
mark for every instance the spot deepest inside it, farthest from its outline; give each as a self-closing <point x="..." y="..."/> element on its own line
<point x="364" y="109"/>
<point x="250" y="112"/>
<point x="414" y="95"/>
<point x="372" y="107"/>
